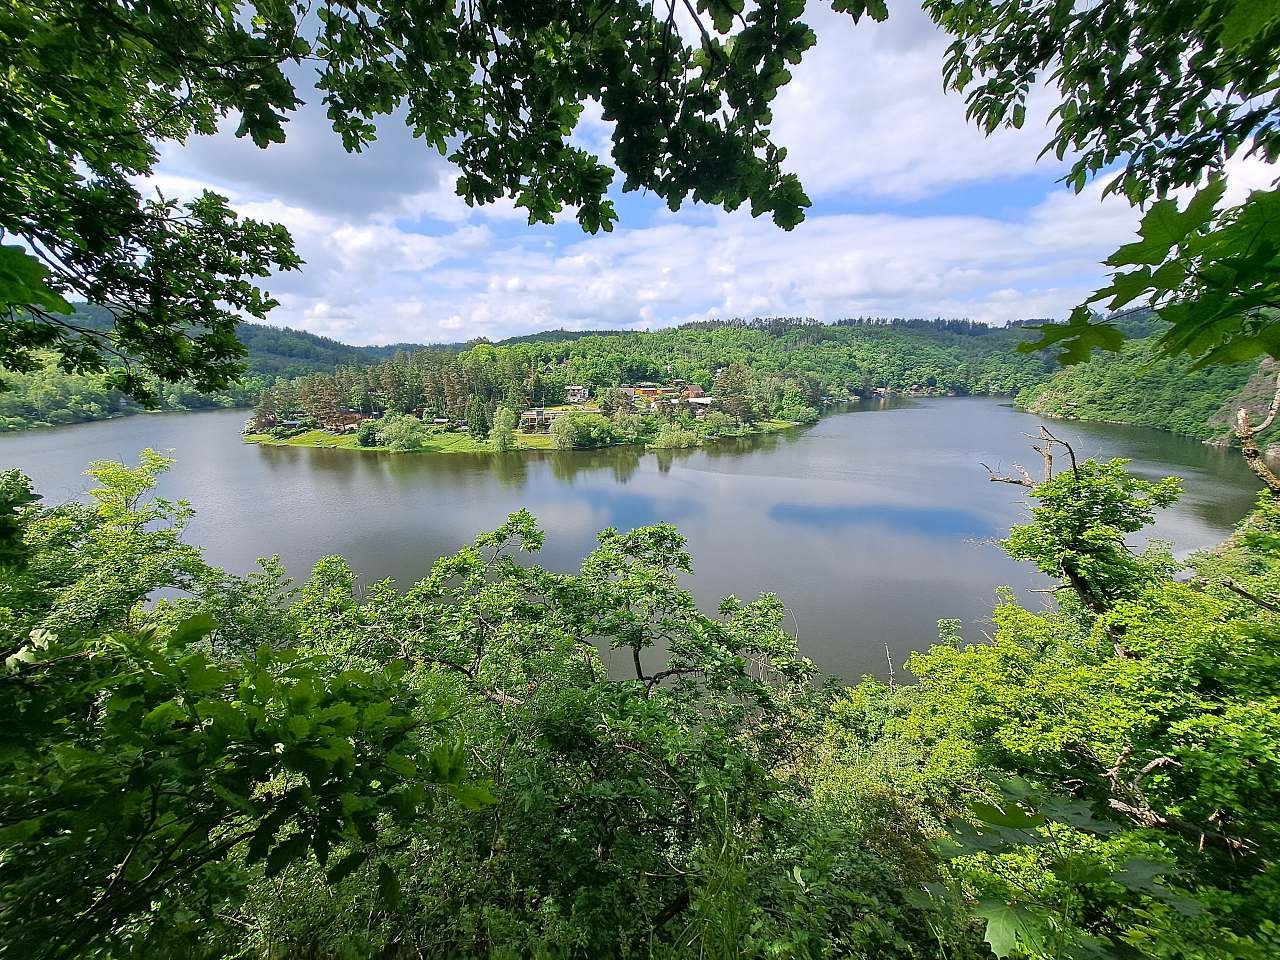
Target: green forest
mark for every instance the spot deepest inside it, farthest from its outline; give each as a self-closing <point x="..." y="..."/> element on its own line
<point x="503" y="759"/>
<point x="1139" y="385"/>
<point x="798" y="358"/>
<point x="49" y="395"/>
<point x="784" y="370"/>
<point x="445" y="768"/>
<point x="793" y="357"/>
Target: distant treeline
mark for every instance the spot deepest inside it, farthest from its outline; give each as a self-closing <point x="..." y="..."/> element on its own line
<point x="796" y="358"/>
<point x="776" y="364"/>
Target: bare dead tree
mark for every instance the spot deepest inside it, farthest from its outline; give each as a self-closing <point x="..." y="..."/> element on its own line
<point x="1247" y="433"/>
<point x="1046" y="444"/>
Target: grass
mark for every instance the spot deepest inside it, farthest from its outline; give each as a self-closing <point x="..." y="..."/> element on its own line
<point x="435" y="443"/>
<point x="444" y="442"/>
<point x="773" y="426"/>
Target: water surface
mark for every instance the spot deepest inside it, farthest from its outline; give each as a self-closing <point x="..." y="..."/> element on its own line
<point x="871" y="525"/>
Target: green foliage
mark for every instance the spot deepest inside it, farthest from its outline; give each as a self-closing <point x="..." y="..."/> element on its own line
<point x="1079" y="527"/>
<point x="673" y="436"/>
<point x="144" y="776"/>
<point x="582" y="431"/>
<point x="180" y="778"/>
<point x="1139" y="386"/>
<point x="47" y="396"/>
<point x="498" y="89"/>
<point x="502" y="435"/>
<point x="401" y="432"/>
<point x="367" y="434"/>
<point x="780" y="369"/>
<point x="1209" y="273"/>
<point x="717" y="423"/>
<point x="1172" y="90"/>
<point x="477" y="419"/>
<point x="1169" y="88"/>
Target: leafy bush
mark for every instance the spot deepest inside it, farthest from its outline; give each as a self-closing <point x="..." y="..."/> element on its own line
<point x="582" y="431"/>
<point x="672" y="436"/>
<point x="367" y="434"/>
<point x="402" y="433"/>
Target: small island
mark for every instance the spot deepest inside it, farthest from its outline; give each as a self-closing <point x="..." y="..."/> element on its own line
<point x="674" y="415"/>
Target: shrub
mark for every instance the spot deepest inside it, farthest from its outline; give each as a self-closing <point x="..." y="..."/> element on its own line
<point x="582" y="432"/>
<point x="367" y="434"/>
<point x="673" y="436"/>
<point x="402" y="433"/>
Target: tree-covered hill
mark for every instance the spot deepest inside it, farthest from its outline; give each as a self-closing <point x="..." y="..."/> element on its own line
<point x="1139" y="386"/>
<point x="791" y="359"/>
<point x="273" y="351"/>
<point x="48" y="396"/>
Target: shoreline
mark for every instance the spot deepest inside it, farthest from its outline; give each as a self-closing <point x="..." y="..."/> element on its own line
<point x="454" y="442"/>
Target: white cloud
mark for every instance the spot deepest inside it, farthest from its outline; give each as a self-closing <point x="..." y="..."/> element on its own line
<point x="866" y="114"/>
<point x="392" y="254"/>
<point x="382" y="284"/>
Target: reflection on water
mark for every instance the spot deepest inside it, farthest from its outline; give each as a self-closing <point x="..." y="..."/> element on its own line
<point x="927" y="521"/>
<point x="871" y="526"/>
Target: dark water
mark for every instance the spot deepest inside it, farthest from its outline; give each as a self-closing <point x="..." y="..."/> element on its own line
<point x="871" y="525"/>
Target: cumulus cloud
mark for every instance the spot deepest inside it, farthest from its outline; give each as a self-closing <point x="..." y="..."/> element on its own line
<point x="866" y="114"/>
<point x="392" y="254"/>
<point x="383" y="284"/>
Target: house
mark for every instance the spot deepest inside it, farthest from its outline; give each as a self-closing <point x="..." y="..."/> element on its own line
<point x="538" y="420"/>
<point x="650" y="391"/>
<point x="342" y="421"/>
<point x="691" y="390"/>
<point x="577" y="393"/>
<point x="700" y="406"/>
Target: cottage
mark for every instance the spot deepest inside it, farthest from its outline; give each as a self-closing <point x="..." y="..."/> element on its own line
<point x="538" y="420"/>
<point x="342" y="421"/>
<point x="700" y="406"/>
<point x="577" y="393"/>
<point x="651" y="391"/>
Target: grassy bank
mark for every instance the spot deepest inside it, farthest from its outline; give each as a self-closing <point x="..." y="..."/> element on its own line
<point x="450" y="442"/>
<point x="435" y="443"/>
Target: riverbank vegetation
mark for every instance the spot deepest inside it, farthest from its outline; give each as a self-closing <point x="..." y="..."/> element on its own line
<point x="761" y="367"/>
<point x="46" y="394"/>
<point x="448" y="768"/>
<point x="47" y="397"/>
<point x="1139" y="385"/>
<point x="580" y="430"/>
<point x="707" y="381"/>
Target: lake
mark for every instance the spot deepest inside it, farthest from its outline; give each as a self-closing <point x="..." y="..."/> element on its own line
<point x="871" y="525"/>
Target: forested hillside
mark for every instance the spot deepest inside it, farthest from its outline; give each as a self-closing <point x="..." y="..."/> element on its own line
<point x="1142" y="385"/>
<point x="272" y="351"/>
<point x="49" y="396"/>
<point x="800" y="358"/>
<point x="790" y="356"/>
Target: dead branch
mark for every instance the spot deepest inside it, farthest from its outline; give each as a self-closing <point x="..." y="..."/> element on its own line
<point x="1045" y="445"/>
<point x="1023" y="479"/>
<point x="1247" y="434"/>
<point x="1265" y="603"/>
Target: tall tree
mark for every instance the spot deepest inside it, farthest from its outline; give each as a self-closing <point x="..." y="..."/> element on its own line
<point x="503" y="432"/>
<point x="89" y="90"/>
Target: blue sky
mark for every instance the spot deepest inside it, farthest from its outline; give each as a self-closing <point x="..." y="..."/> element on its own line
<point x="915" y="213"/>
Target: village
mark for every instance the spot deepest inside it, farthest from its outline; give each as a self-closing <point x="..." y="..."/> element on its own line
<point x="671" y="399"/>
